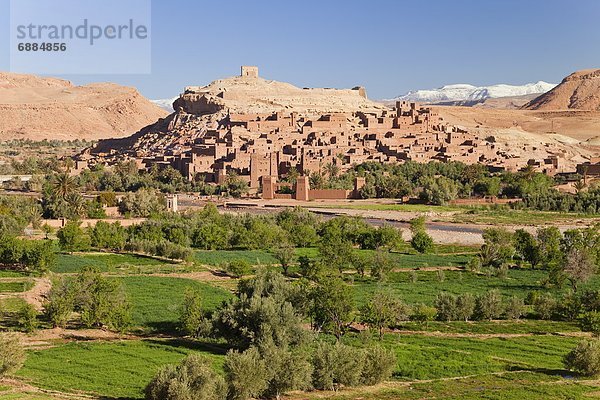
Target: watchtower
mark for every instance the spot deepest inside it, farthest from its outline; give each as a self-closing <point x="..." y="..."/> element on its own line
<point x="249" y="71"/>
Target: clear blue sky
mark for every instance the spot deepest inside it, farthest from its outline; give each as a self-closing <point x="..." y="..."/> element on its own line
<point x="388" y="46"/>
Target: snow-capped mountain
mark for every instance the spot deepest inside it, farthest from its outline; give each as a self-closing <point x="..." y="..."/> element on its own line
<point x="470" y="93"/>
<point x="166" y="104"/>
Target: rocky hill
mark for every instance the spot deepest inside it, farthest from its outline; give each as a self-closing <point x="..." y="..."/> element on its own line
<point x="578" y="91"/>
<point x="37" y="108"/>
<point x="253" y="94"/>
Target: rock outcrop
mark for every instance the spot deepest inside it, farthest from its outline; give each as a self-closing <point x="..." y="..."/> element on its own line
<point x="578" y="91"/>
<point x="37" y="108"/>
<point x="253" y="94"/>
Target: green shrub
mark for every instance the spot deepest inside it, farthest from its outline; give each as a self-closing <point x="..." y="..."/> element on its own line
<point x="422" y="242"/>
<point x="194" y="378"/>
<point x="465" y="306"/>
<point x="238" y="268"/>
<point x="246" y="374"/>
<point x="191" y="312"/>
<point x="423" y="314"/>
<point x="12" y="354"/>
<point x="379" y="365"/>
<point x="28" y="318"/>
<point x="337" y="365"/>
<point x="544" y="306"/>
<point x="584" y="358"/>
<point x="514" y="307"/>
<point x="489" y="305"/>
<point x="445" y="303"/>
<point x="590" y="322"/>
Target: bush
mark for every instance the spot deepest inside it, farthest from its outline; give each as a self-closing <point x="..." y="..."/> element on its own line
<point x="445" y="303"/>
<point x="382" y="311"/>
<point x="72" y="238"/>
<point x="310" y="269"/>
<point x="194" y="378"/>
<point x="287" y="367"/>
<point x="59" y="303"/>
<point x="246" y="374"/>
<point x="28" y="318"/>
<point x="584" y="358"/>
<point x="238" y="268"/>
<point x="489" y="305"/>
<point x="191" y="313"/>
<point x="379" y="365"/>
<point x="423" y="314"/>
<point x="544" y="306"/>
<point x="12" y="354"/>
<point x="590" y="322"/>
<point x="381" y="264"/>
<point x="142" y="203"/>
<point x="514" y="308"/>
<point x="337" y="365"/>
<point x="465" y="306"/>
<point x="422" y="242"/>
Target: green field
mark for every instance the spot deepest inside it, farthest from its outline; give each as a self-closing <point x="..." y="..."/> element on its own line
<point x="400" y="260"/>
<point x="122" y="369"/>
<point x="11" y="304"/>
<point x="104" y="262"/>
<point x="11" y="274"/>
<point x="221" y="257"/>
<point x="508" y="386"/>
<point x="15" y="286"/>
<point x="421" y="357"/>
<point x="157" y="300"/>
<point x="522" y="326"/>
<point x="114" y="370"/>
<point x="519" y="282"/>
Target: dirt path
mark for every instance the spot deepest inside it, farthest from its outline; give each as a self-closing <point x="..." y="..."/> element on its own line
<point x="201" y="276"/>
<point x="35" y="295"/>
<point x="19" y="388"/>
<point x="429" y="269"/>
<point x="486" y="335"/>
<point x="367" y="392"/>
<point x="46" y="338"/>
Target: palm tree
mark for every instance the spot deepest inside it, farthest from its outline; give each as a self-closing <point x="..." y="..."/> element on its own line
<point x="579" y="185"/>
<point x="332" y="170"/>
<point x="77" y="205"/>
<point x="68" y="164"/>
<point x="528" y="171"/>
<point x="63" y="185"/>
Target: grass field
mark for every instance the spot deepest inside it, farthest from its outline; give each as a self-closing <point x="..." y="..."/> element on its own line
<point x="428" y="285"/>
<point x="157" y="300"/>
<point x="400" y="260"/>
<point x="122" y="369"/>
<point x="509" y="386"/>
<point x="426" y="357"/>
<point x="108" y="262"/>
<point x="11" y="304"/>
<point x="11" y="274"/>
<point x="15" y="286"/>
<point x="110" y="370"/>
<point x="523" y="326"/>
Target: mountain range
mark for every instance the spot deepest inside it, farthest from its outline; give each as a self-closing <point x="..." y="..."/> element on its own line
<point x="165" y="104"/>
<point x="474" y="94"/>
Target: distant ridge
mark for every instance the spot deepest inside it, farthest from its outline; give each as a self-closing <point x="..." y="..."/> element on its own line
<point x="474" y="94"/>
<point x="36" y="108"/>
<point x="578" y="91"/>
